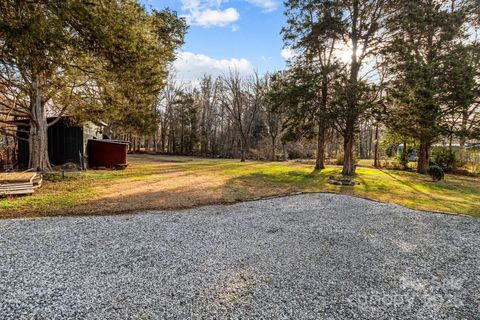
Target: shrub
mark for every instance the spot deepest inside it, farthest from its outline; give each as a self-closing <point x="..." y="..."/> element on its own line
<point x="436" y="173"/>
<point x="445" y="158"/>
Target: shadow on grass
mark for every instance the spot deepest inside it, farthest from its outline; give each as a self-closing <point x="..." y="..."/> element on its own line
<point x="418" y="191"/>
<point x="153" y="186"/>
<point x="264" y="184"/>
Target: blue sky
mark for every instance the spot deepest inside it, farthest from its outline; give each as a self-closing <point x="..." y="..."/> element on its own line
<point x="228" y="34"/>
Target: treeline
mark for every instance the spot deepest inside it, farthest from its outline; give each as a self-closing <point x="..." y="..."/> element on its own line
<point x="242" y="117"/>
<point x="219" y="117"/>
<point x="410" y="69"/>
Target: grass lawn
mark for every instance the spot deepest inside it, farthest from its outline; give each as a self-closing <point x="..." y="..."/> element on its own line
<point x="168" y="182"/>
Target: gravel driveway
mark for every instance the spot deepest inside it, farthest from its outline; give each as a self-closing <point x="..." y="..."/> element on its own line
<point x="316" y="256"/>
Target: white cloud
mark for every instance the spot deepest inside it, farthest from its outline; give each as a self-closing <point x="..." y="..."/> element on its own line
<point x="288" y="53"/>
<point x="207" y="13"/>
<point x="267" y="5"/>
<point x="190" y="67"/>
<point x="209" y="18"/>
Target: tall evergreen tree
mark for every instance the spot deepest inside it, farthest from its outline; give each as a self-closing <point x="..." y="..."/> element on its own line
<point x="314" y="29"/>
<point x="424" y="34"/>
<point x="322" y="29"/>
<point x="365" y="23"/>
<point x="461" y="95"/>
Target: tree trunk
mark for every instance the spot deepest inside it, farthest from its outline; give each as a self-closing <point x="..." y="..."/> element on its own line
<point x="213" y="142"/>
<point x="375" y="162"/>
<point x="423" y="156"/>
<point x="348" y="159"/>
<point x="38" y="139"/>
<point x="243" y="154"/>
<point x="162" y="138"/>
<point x="320" y="161"/>
<point x="405" y="155"/>
<point x="38" y="144"/>
<point x="284" y="149"/>
<point x="182" y="142"/>
<point x="348" y="145"/>
<point x="274" y="146"/>
<point x="243" y="147"/>
<point x="155" y="146"/>
<point x="462" y="151"/>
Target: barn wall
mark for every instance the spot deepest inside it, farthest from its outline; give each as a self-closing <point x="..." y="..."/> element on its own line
<point x="65" y="144"/>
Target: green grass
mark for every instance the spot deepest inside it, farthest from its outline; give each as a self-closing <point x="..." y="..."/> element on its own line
<point x="456" y="194"/>
<point x="162" y="182"/>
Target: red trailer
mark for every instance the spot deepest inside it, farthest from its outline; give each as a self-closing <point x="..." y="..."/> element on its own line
<point x="107" y="154"/>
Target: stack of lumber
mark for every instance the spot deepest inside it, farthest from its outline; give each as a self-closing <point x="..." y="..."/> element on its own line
<point x="17" y="183"/>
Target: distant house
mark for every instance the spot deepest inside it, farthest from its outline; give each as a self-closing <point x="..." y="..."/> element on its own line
<point x="67" y="141"/>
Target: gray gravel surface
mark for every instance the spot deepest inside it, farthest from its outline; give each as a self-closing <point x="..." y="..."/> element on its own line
<point x="316" y="256"/>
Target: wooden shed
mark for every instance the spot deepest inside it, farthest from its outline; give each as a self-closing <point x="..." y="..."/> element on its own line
<point x="67" y="141"/>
